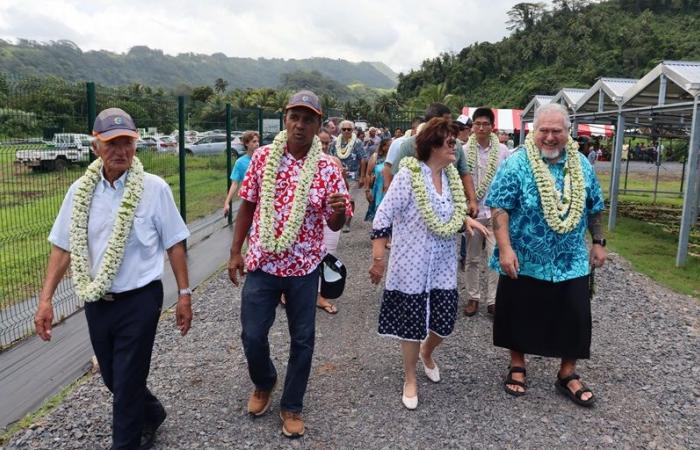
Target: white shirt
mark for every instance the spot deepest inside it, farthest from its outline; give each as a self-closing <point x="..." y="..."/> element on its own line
<point x="157" y="226"/>
<point x="479" y="172"/>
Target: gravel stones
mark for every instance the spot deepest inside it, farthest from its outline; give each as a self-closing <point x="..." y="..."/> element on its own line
<point x="644" y="369"/>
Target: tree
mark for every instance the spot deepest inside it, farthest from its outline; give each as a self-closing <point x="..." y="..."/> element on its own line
<point x="202" y="93"/>
<point x="524" y="15"/>
<point x="220" y="85"/>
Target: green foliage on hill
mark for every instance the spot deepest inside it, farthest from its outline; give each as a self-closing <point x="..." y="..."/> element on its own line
<point x="152" y="67"/>
<point x="570" y="46"/>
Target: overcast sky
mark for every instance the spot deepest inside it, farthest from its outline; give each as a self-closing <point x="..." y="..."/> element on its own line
<point x="400" y="33"/>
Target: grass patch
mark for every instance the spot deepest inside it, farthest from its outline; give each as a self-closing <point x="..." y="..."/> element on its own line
<point x="652" y="251"/>
<point x="43" y="410"/>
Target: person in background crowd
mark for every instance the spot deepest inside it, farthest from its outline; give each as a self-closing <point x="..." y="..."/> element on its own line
<point x="251" y="141"/>
<point x="485" y="154"/>
<point x="374" y="192"/>
<point x="352" y="156"/>
<point x="398" y="132"/>
<point x="464" y="124"/>
<point x="542" y="200"/>
<point x="115" y="248"/>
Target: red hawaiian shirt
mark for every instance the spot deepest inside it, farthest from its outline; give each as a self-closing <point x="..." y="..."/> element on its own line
<point x="308" y="250"/>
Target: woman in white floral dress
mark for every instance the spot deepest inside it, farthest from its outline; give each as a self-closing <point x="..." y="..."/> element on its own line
<point x="423" y="211"/>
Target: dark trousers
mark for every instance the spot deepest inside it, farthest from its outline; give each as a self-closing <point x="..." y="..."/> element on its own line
<point x="259" y="299"/>
<point x="122" y="334"/>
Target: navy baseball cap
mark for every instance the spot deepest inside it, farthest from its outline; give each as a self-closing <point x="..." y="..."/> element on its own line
<point x="333" y="275"/>
<point x="112" y="123"/>
<point x="305" y="99"/>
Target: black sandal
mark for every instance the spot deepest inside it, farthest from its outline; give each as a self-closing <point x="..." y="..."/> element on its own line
<point x="510" y="380"/>
<point x="562" y="385"/>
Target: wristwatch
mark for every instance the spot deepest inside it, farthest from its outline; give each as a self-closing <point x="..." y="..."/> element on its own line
<point x="600" y="242"/>
<point x="184" y="291"/>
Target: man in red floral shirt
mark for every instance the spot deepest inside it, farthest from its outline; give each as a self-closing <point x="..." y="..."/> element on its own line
<point x="290" y="188"/>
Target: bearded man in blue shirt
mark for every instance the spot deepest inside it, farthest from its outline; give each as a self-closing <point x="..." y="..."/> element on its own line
<point x="542" y="200"/>
<point x="112" y="229"/>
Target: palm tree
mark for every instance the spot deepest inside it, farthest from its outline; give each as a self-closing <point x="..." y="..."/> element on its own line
<point x="220" y="85"/>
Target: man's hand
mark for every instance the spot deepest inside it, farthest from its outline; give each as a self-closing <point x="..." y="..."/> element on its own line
<point x="337" y="203"/>
<point x="597" y="255"/>
<point x="183" y="313"/>
<point x="509" y="262"/>
<point x="473" y="208"/>
<point x="376" y="271"/>
<point x="235" y="265"/>
<point x="43" y="320"/>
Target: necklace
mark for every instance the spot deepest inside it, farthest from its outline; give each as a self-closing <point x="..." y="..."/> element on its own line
<point x="87" y="289"/>
<point x="472" y="162"/>
<point x="301" y="195"/>
<point x="432" y="221"/>
<point x="562" y="211"/>
<point x="344" y="152"/>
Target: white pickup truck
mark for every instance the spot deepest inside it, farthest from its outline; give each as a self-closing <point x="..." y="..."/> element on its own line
<point x="64" y="149"/>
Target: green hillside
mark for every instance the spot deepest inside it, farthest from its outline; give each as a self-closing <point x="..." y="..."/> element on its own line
<point x="569" y="46"/>
<point x="151" y="67"/>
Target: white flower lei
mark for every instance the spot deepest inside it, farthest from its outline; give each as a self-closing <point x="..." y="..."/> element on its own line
<point x="437" y="227"/>
<point x="561" y="211"/>
<point x="472" y="162"/>
<point x="301" y="195"/>
<point x="87" y="289"/>
<point x="344" y="152"/>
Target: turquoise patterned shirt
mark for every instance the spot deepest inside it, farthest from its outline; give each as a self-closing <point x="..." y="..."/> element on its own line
<point x="542" y="253"/>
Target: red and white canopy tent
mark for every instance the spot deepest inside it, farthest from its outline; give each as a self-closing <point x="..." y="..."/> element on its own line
<point x="509" y="120"/>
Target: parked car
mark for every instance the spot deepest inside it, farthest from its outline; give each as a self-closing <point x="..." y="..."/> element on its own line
<point x="214" y="144"/>
<point x="63" y="150"/>
<point x="159" y="144"/>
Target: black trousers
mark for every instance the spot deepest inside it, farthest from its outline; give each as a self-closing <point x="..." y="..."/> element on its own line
<point x="122" y="332"/>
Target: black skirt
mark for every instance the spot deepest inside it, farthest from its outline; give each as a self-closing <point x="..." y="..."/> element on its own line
<point x="543" y="318"/>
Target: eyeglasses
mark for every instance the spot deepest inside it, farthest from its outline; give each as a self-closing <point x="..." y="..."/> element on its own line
<point x="481" y="125"/>
<point x="346" y="129"/>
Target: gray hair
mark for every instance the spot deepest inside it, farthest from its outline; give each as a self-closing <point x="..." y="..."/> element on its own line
<point x="347" y="122"/>
<point x="552" y="108"/>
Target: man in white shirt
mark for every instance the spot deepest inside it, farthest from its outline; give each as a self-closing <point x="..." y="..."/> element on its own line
<point x="112" y="229"/>
<point x="482" y="149"/>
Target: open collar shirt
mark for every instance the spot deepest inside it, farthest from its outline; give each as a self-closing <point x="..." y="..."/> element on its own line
<point x="308" y="249"/>
<point x="157" y="226"/>
<point x="479" y="172"/>
<point x="542" y="252"/>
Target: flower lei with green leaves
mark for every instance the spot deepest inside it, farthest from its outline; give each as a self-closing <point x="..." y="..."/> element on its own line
<point x="344" y="152"/>
<point x="420" y="191"/>
<point x="472" y="162"/>
<point x="301" y="195"/>
<point x="562" y="211"/>
<point x="90" y="290"/>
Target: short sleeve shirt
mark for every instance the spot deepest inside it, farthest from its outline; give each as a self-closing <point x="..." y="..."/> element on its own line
<point x="542" y="252"/>
<point x="352" y="162"/>
<point x="408" y="148"/>
<point x="240" y="168"/>
<point x="157" y="226"/>
<point x="306" y="252"/>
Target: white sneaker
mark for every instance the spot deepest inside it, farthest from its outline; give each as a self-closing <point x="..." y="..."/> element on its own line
<point x="432" y="374"/>
<point x="409" y="402"/>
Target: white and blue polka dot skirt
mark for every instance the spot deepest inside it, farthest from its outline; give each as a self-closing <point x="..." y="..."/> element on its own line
<point x="411" y="316"/>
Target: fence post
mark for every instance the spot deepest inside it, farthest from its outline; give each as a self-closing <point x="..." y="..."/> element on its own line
<point x="181" y="143"/>
<point x="91" y="110"/>
<point x="281" y="120"/>
<point x="260" y="121"/>
<point x="228" y="159"/>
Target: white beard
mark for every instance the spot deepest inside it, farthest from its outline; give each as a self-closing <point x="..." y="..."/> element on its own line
<point x="550" y="154"/>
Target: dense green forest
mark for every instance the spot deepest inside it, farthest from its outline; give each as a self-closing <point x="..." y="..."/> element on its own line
<point x="570" y="45"/>
<point x="152" y="67"/>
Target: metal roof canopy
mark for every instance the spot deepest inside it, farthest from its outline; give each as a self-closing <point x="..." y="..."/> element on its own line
<point x="606" y="94"/>
<point x="668" y="97"/>
<point x="569" y="97"/>
<point x="528" y="114"/>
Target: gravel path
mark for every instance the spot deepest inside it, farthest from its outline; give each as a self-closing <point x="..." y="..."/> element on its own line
<point x="644" y="370"/>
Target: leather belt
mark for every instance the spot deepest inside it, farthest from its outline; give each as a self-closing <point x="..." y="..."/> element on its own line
<point x="112" y="296"/>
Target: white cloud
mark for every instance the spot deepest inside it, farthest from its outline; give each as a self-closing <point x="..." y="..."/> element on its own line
<point x="398" y="33"/>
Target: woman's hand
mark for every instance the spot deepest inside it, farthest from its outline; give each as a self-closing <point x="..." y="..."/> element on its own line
<point x="376" y="271"/>
<point x="369" y="196"/>
<point x="475" y="225"/>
